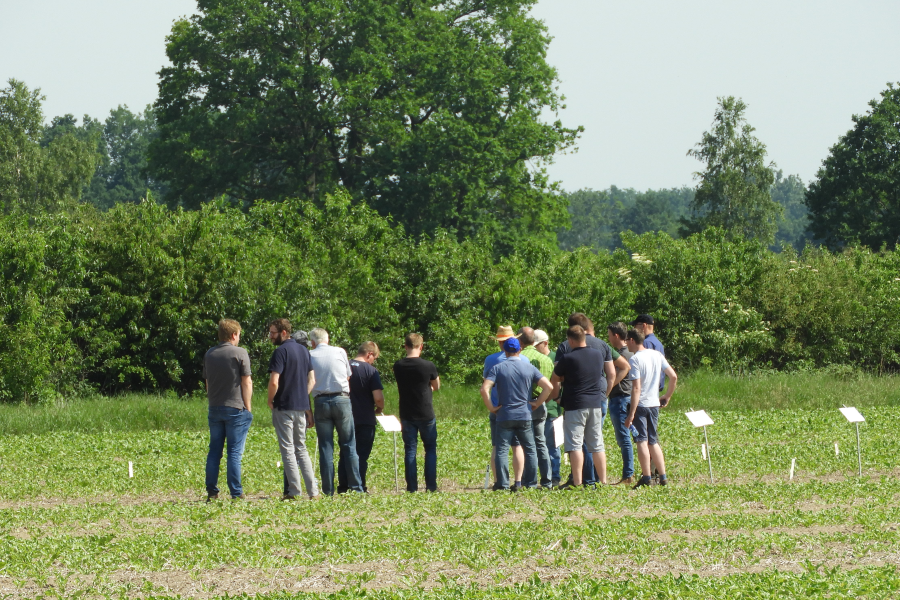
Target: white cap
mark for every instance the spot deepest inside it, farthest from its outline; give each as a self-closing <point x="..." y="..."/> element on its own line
<point x="540" y="336"/>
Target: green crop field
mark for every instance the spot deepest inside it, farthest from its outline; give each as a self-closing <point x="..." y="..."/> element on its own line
<point x="73" y="524"/>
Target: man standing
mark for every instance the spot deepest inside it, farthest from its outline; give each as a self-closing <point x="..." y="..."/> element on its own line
<point x="539" y="416"/>
<point x="620" y="402"/>
<point x="229" y="388"/>
<point x="554" y="411"/>
<point x="647" y="367"/>
<point x="588" y="375"/>
<point x="589" y="475"/>
<point x="367" y="399"/>
<point x="504" y="332"/>
<point x="331" y="394"/>
<point x="515" y="378"/>
<point x="291" y="379"/>
<point x="645" y="324"/>
<point x="416" y="379"/>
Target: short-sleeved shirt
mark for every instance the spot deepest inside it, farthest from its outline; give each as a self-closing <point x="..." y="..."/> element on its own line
<point x="591" y="342"/>
<point x="543" y="364"/>
<point x="490" y="362"/>
<point x="648" y="366"/>
<point x="223" y="367"/>
<point x="291" y="361"/>
<point x="584" y="376"/>
<point x="514" y="379"/>
<point x="414" y="377"/>
<point x="652" y="342"/>
<point x="364" y="380"/>
<point x="624" y="386"/>
<point x="332" y="370"/>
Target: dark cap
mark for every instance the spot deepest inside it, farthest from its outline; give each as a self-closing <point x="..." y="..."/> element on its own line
<point x="643" y="319"/>
<point x="301" y="337"/>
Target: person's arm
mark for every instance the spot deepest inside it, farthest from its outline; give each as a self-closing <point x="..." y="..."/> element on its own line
<point x="635" y="398"/>
<point x="486" y="396"/>
<point x="310" y="384"/>
<point x="673" y="383"/>
<point x="247" y="392"/>
<point x="546" y="388"/>
<point x="622" y="368"/>
<point x="555" y="381"/>
<point x="435" y="384"/>
<point x="273" y="387"/>
<point x="610" y="368"/>
<point x="378" y="395"/>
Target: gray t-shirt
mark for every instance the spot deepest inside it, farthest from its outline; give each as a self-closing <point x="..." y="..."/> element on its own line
<point x="332" y="370"/>
<point x="223" y="367"/>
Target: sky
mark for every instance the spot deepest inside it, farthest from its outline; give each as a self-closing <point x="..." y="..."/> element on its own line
<point x="642" y="78"/>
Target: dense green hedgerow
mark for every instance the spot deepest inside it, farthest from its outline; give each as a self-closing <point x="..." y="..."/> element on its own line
<point x="129" y="299"/>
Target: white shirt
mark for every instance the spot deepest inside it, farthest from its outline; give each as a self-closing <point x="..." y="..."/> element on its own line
<point x="331" y="368"/>
<point x="648" y="366"/>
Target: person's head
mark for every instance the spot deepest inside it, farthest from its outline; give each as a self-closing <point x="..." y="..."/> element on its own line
<point x="581" y="320"/>
<point x="368" y="352"/>
<point x="318" y="336"/>
<point x="504" y="332"/>
<point x="634" y="339"/>
<point x="279" y="331"/>
<point x="575" y="334"/>
<point x="644" y="324"/>
<point x="512" y="347"/>
<point x="229" y="331"/>
<point x="526" y="336"/>
<point x="541" y="342"/>
<point x="413" y="343"/>
<point x="616" y="333"/>
<point x="301" y="337"/>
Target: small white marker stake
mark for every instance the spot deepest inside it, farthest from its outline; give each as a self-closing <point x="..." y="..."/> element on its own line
<point x="836" y="451"/>
<point x="130" y="470"/>
<point x="277" y="464"/>
<point x="793" y="465"/>
<point x="703" y="451"/>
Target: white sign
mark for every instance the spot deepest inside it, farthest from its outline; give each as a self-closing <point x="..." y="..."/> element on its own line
<point x="852" y="414"/>
<point x="559" y="436"/>
<point x="699" y="418"/>
<point x="389" y="422"/>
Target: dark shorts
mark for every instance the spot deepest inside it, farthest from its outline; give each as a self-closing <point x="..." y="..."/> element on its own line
<point x="646" y="421"/>
<point x="515" y="438"/>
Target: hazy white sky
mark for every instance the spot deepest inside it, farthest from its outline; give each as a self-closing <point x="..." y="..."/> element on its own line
<point x="641" y="77"/>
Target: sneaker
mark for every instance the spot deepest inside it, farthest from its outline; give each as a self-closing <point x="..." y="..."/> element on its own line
<point x="625" y="481"/>
<point x="568" y="485"/>
<point x="554" y="482"/>
<point x="211" y="497"/>
<point x="643" y="481"/>
<point x="241" y="497"/>
<point x="288" y="498"/>
<point x="663" y="480"/>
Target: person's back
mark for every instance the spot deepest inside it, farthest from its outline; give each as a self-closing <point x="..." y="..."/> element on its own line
<point x="585" y="378"/>
<point x="414" y="376"/>
<point x="292" y="362"/>
<point x="223" y="367"/>
<point x="332" y="369"/>
<point x="648" y="366"/>
<point x="514" y="379"/>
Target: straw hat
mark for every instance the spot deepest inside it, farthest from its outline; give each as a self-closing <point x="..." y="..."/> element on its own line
<point x="504" y="332"/>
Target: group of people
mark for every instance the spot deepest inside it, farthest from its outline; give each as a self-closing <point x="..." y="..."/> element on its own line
<point x="346" y="396"/>
<point x="526" y="388"/>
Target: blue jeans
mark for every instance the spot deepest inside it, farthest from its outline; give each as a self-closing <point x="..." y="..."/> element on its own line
<point x="552" y="448"/>
<point x="523" y="430"/>
<point x="543" y="452"/>
<point x="427" y="430"/>
<point x="365" y="438"/>
<point x="335" y="413"/>
<point x="618" y="412"/>
<point x="589" y="474"/>
<point x="232" y="424"/>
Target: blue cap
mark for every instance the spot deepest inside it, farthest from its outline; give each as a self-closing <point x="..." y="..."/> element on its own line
<point x="511" y="345"/>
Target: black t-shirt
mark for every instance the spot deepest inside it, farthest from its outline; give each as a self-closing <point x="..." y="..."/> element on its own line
<point x="414" y="377"/>
<point x="364" y="379"/>
<point x="291" y="361"/>
<point x="589" y="340"/>
<point x="585" y="380"/>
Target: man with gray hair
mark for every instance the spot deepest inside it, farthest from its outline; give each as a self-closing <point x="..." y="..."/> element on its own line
<point x="542" y="363"/>
<point x="334" y="410"/>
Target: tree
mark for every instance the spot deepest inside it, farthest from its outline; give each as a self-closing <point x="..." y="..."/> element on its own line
<point x="734" y="192"/>
<point x="855" y="198"/>
<point x="790" y="193"/>
<point x="36" y="176"/>
<point x="429" y="110"/>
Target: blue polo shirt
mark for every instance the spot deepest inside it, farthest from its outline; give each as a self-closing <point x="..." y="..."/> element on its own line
<point x="514" y="378"/>
<point x="489" y="363"/>
<point x="291" y="361"/>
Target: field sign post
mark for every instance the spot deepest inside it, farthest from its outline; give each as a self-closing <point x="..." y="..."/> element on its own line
<point x="392" y="424"/>
<point x="699" y="418"/>
<point x="853" y="416"/>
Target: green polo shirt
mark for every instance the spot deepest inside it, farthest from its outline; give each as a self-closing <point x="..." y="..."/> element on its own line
<point x="543" y="364"/>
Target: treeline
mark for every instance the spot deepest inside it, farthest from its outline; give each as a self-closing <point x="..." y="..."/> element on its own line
<point x="128" y="299"/>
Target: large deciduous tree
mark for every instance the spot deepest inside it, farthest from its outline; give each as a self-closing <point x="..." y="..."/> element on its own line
<point x="855" y="198"/>
<point x="734" y="192"/>
<point x="429" y="110"/>
<point x="37" y="174"/>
